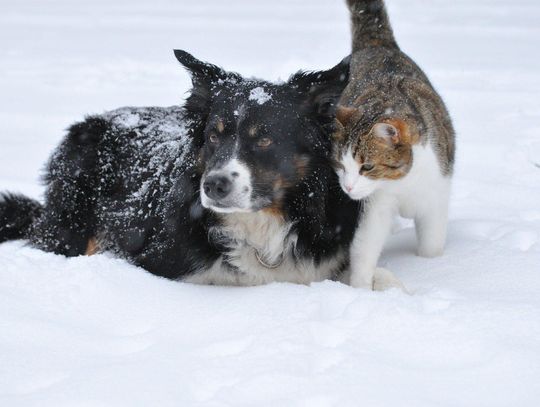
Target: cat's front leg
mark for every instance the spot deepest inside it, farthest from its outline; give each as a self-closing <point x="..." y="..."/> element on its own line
<point x="431" y="224"/>
<point x="369" y="240"/>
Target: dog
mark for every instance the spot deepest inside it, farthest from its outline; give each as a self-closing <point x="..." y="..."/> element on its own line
<point x="236" y="187"/>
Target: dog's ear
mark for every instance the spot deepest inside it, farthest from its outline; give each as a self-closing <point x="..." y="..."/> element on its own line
<point x="202" y="73"/>
<point x="204" y="77"/>
<point x="320" y="90"/>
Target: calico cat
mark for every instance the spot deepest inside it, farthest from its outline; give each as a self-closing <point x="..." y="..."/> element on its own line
<point x="394" y="145"/>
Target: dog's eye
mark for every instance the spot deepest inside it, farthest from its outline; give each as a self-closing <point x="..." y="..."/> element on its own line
<point x="366" y="167"/>
<point x="264" y="142"/>
<point x="213" y="138"/>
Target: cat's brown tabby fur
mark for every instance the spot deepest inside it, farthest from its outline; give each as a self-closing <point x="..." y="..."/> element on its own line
<point x="387" y="86"/>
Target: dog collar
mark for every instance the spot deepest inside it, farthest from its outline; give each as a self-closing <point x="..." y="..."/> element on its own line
<point x="278" y="263"/>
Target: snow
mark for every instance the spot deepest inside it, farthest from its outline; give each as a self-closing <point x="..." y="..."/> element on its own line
<point x="96" y="331"/>
<point x="259" y="95"/>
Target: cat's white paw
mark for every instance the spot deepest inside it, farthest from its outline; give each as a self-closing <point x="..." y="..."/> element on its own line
<point x="362" y="280"/>
<point x="384" y="280"/>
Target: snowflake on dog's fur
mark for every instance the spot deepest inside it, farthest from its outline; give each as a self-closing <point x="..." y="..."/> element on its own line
<point x="259" y="95"/>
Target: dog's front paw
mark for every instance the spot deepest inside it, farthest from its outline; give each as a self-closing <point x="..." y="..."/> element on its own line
<point x="384" y="280"/>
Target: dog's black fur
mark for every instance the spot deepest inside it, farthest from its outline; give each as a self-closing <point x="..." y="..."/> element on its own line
<point x="131" y="177"/>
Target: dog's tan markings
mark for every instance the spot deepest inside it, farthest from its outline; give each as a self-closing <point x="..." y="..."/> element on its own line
<point x="220" y="126"/>
<point x="92" y="247"/>
<point x="280" y="184"/>
<point x="276" y="209"/>
<point x="301" y="163"/>
<point x="253" y="131"/>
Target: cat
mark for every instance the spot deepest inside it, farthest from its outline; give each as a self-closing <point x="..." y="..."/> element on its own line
<point x="395" y="143"/>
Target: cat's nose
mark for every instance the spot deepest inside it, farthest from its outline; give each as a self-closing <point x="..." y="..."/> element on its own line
<point x="348" y="188"/>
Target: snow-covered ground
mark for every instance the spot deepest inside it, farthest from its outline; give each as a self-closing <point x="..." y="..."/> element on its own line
<point x="99" y="332"/>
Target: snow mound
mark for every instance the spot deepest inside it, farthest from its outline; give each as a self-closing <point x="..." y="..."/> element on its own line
<point x="99" y="330"/>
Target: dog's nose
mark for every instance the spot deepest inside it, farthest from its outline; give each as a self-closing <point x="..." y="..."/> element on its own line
<point x="217" y="187"/>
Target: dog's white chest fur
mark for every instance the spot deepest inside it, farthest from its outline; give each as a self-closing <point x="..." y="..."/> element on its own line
<point x="261" y="251"/>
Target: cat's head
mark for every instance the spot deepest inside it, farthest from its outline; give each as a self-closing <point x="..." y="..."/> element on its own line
<point x="370" y="153"/>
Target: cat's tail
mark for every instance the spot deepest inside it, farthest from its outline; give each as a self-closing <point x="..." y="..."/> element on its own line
<point x="370" y="24"/>
<point x="17" y="214"/>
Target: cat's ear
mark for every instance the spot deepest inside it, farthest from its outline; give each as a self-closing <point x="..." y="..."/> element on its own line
<point x="387" y="132"/>
<point x="393" y="131"/>
<point x="345" y="114"/>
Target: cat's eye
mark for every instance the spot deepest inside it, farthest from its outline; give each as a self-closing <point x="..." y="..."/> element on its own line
<point x="213" y="138"/>
<point x="264" y="142"/>
<point x="366" y="167"/>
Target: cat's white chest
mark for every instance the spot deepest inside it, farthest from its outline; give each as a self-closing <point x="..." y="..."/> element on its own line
<point x="423" y="181"/>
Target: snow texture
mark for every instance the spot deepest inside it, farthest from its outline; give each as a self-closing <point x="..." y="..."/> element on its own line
<point x="96" y="331"/>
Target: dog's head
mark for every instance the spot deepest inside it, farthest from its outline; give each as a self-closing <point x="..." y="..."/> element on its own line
<point x="258" y="140"/>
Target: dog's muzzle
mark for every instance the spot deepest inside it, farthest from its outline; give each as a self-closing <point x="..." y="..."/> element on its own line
<point x="227" y="189"/>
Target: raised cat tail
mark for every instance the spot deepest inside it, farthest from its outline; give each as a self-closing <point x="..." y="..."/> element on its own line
<point x="17" y="214"/>
<point x="370" y="24"/>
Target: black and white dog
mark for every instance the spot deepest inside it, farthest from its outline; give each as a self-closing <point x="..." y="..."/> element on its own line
<point x="236" y="187"/>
